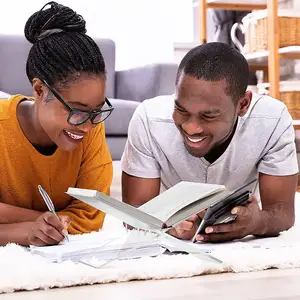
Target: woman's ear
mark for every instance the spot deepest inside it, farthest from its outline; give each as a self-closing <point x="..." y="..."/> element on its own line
<point x="38" y="89"/>
<point x="244" y="103"/>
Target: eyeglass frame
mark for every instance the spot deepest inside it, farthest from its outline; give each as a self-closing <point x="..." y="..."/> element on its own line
<point x="91" y="114"/>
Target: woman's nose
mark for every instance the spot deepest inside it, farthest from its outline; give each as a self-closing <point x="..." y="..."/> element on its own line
<point x="86" y="126"/>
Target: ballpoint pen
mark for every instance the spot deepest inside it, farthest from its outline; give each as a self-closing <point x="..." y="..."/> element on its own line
<point x="50" y="205"/>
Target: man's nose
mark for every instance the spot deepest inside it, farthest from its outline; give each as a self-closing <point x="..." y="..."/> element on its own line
<point x="192" y="126"/>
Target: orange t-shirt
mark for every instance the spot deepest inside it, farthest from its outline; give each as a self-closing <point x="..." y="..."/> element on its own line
<point x="23" y="168"/>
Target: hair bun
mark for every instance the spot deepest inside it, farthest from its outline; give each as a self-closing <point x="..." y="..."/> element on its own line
<point x="56" y="18"/>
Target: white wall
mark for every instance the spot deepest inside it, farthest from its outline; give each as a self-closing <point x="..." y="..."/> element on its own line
<point x="144" y="30"/>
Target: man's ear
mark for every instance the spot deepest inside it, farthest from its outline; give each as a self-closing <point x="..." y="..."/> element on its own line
<point x="38" y="89"/>
<point x="244" y="103"/>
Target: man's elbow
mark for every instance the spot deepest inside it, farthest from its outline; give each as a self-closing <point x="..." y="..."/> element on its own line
<point x="290" y="221"/>
<point x="274" y="224"/>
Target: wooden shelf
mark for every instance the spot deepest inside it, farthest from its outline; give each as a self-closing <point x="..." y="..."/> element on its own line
<point x="261" y="58"/>
<point x="296" y="124"/>
<point x="266" y="60"/>
<point x="227" y="5"/>
<point x="237" y="4"/>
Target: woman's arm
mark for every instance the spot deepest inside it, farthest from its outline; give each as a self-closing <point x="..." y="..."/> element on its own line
<point x="15" y="233"/>
<point x="10" y="214"/>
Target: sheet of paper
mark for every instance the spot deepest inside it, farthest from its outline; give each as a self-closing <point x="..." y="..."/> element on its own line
<point x="103" y="245"/>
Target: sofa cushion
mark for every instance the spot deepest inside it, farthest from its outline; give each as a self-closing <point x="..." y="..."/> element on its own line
<point x="117" y="123"/>
<point x="13" y="56"/>
<point x="116" y="145"/>
<point x="108" y="50"/>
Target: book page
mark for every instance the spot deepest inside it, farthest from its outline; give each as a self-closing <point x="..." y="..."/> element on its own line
<point x="122" y="211"/>
<point x="179" y="196"/>
<point x="196" y="207"/>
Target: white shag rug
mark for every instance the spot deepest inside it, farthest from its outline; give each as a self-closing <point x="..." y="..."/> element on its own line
<point x="20" y="270"/>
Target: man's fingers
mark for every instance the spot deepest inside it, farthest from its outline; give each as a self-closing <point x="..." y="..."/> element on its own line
<point x="185" y="225"/>
<point x="222" y="228"/>
<point x="245" y="211"/>
<point x="253" y="199"/>
<point x="241" y="211"/>
<point x="201" y="214"/>
<point x="215" y="237"/>
<point x="194" y="218"/>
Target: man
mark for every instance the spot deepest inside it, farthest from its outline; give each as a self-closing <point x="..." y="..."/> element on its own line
<point x="214" y="131"/>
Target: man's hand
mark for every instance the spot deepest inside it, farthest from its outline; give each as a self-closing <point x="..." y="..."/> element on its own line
<point x="249" y="219"/>
<point x="187" y="229"/>
<point x="48" y="229"/>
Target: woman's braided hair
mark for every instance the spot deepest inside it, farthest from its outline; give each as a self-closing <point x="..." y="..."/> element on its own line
<point x="61" y="48"/>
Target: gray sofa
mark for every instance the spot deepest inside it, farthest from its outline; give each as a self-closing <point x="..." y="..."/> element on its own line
<point x="125" y="89"/>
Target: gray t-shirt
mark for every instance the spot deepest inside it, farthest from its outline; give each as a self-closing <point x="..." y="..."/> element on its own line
<point x="264" y="142"/>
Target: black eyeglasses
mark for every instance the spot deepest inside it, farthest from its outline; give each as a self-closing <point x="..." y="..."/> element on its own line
<point x="78" y="116"/>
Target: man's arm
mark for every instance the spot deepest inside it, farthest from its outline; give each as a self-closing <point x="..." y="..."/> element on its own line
<point x="10" y="214"/>
<point x="278" y="170"/>
<point x="137" y="191"/>
<point x="141" y="170"/>
<point x="277" y="198"/>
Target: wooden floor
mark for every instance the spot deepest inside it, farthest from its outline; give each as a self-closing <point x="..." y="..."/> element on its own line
<point x="265" y="285"/>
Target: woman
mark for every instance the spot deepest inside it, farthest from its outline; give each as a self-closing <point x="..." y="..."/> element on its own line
<point x="55" y="139"/>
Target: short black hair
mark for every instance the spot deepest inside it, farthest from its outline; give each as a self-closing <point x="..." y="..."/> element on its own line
<point x="61" y="49"/>
<point x="217" y="61"/>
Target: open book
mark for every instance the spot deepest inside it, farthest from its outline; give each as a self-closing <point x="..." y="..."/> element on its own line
<point x="162" y="212"/>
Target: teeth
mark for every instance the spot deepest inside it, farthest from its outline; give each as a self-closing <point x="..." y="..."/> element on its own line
<point x="74" y="136"/>
<point x="195" y="140"/>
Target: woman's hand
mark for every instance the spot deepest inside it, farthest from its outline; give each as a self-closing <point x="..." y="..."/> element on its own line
<point x="48" y="229"/>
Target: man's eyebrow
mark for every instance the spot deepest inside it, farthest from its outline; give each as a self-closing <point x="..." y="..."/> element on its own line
<point x="206" y="112"/>
<point x="211" y="112"/>
<point x="177" y="104"/>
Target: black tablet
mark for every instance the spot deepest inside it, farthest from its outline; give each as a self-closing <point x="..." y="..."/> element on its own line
<point x="220" y="212"/>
